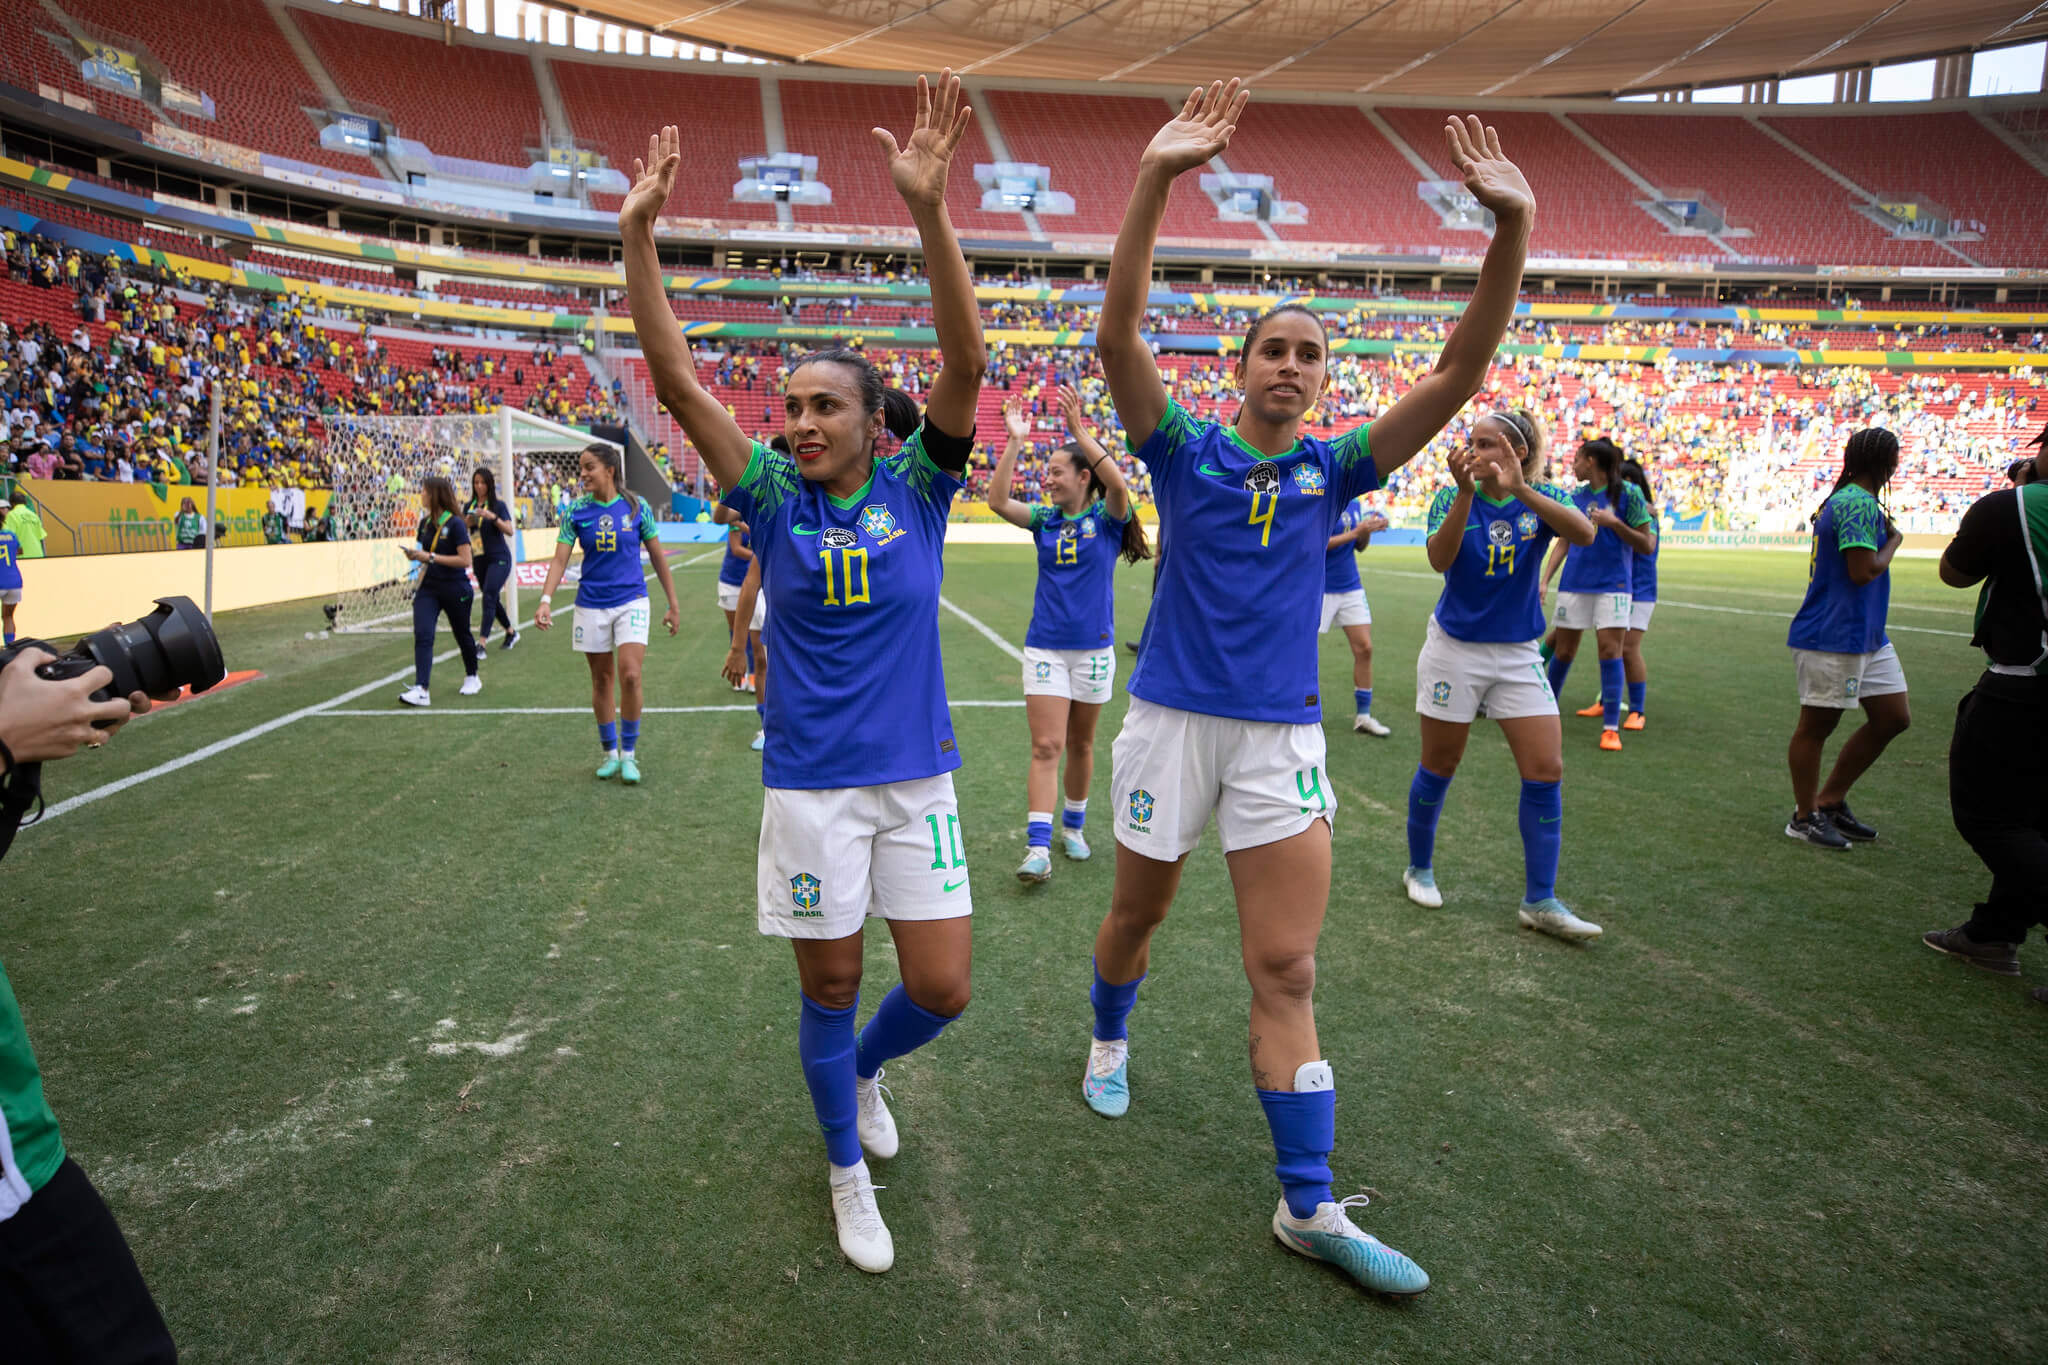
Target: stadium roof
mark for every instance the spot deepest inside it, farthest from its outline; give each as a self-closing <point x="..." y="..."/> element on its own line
<point x="1509" y="48"/>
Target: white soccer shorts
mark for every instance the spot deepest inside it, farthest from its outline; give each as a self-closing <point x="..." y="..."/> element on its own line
<point x="1639" y="614"/>
<point x="1083" y="675"/>
<point x="1341" y="609"/>
<point x="1454" y="678"/>
<point x="1843" y="681"/>
<point x="11" y="596"/>
<point x="1170" y="770"/>
<point x="600" y="630"/>
<point x="729" y="600"/>
<point x="831" y="858"/>
<point x="1591" y="611"/>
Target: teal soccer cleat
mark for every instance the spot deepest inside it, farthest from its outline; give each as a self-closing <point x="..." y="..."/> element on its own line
<point x="629" y="770"/>
<point x="1330" y="1235"/>
<point x="608" y="769"/>
<point x="1107" y="1083"/>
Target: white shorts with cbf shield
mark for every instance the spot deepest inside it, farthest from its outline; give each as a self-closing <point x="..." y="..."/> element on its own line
<point x="1842" y="681"/>
<point x="1171" y="769"/>
<point x="600" y="630"/>
<point x="1454" y="678"/>
<point x="729" y="600"/>
<point x="1341" y="609"/>
<point x="830" y="859"/>
<point x="1639" y="614"/>
<point x="1592" y="611"/>
<point x="1083" y="675"/>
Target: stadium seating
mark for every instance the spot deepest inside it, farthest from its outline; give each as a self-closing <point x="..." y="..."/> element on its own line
<point x="1371" y="201"/>
<point x="464" y="101"/>
<point x="616" y="109"/>
<point x="833" y="122"/>
<point x="39" y="53"/>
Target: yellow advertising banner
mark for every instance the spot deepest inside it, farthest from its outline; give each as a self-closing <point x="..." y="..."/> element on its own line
<point x="98" y="518"/>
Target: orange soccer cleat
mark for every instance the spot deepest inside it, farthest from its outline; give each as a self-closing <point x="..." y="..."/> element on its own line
<point x="1634" y="721"/>
<point x="1597" y="708"/>
<point x="1610" y="740"/>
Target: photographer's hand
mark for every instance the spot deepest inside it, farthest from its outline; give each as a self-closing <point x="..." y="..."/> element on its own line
<point x="42" y="719"/>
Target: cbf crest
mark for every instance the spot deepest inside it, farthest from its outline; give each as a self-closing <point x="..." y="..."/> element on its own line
<point x="1309" y="479"/>
<point x="1087" y="528"/>
<point x="880" y="523"/>
<point x="804" y="890"/>
<point x="1526" y="524"/>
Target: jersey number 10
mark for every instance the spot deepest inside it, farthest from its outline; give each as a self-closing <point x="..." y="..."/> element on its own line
<point x="839" y="567"/>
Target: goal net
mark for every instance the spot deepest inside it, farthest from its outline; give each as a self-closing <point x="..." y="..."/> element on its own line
<point x="376" y="466"/>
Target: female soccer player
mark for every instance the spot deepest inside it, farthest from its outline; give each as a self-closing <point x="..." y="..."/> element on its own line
<point x="1345" y="607"/>
<point x="859" y="818"/>
<point x="1594" y="592"/>
<point x="1080" y="529"/>
<point x="1486" y="538"/>
<point x="490" y="520"/>
<point x="732" y="571"/>
<point x="1839" y="646"/>
<point x="443" y="589"/>
<point x="10" y="583"/>
<point x="1642" y="605"/>
<point x="1224" y="715"/>
<point x="613" y="526"/>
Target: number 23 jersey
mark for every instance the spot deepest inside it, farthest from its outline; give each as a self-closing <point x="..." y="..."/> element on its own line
<point x="1233" y="624"/>
<point x="856" y="688"/>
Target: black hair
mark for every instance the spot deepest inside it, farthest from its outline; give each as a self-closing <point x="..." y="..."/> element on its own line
<point x="1873" y="450"/>
<point x="611" y="458"/>
<point x="900" y="413"/>
<point x="1134" y="547"/>
<point x="490" y="482"/>
<point x="1608" y="456"/>
<point x="1635" y="474"/>
<point x="779" y="442"/>
<point x="1259" y="325"/>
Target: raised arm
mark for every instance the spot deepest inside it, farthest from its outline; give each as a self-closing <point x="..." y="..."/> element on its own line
<point x="1428" y="407"/>
<point x="670" y="365"/>
<point x="919" y="170"/>
<point x="1004" y="474"/>
<point x="1201" y="131"/>
<point x="1116" y="494"/>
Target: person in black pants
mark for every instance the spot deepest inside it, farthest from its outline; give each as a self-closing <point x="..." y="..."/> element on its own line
<point x="1998" y="760"/>
<point x="444" y="552"/>
<point x="490" y="523"/>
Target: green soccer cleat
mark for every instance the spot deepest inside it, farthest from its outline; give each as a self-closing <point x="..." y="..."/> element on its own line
<point x="1330" y="1235"/>
<point x="608" y="769"/>
<point x="629" y="770"/>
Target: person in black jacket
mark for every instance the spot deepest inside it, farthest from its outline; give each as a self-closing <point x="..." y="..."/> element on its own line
<point x="444" y="553"/>
<point x="490" y="522"/>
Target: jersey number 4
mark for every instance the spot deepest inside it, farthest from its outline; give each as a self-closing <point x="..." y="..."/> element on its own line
<point x="839" y="567"/>
<point x="1264" y="520"/>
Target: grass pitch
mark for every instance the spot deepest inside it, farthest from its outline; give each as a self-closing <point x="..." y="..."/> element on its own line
<point x="397" y="1037"/>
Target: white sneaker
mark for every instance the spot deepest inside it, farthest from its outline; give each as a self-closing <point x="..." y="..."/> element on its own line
<point x="872" y="1119"/>
<point x="471" y="685"/>
<point x="1550" y="917"/>
<point x="415" y="696"/>
<point x="863" y="1237"/>
<point x="1420" y="883"/>
<point x="1369" y="725"/>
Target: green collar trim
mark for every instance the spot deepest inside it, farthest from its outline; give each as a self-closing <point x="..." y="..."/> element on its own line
<point x="858" y="495"/>
<point x="1248" y="448"/>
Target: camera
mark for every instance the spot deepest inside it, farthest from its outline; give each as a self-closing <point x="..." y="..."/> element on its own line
<point x="172" y="647"/>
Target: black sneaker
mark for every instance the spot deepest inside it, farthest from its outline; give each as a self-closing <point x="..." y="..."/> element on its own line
<point x="511" y="639"/>
<point x="2002" y="958"/>
<point x="1131" y="645"/>
<point x="1851" y="828"/>
<point x="1815" y="829"/>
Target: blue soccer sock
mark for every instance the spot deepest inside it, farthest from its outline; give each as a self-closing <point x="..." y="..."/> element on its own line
<point x="825" y="1045"/>
<point x="1556" y="669"/>
<point x="629" y="734"/>
<point x="1638" y="692"/>
<point x="1425" y="807"/>
<point x="1363" y="696"/>
<point x="8" y="639"/>
<point x="750" y="655"/>
<point x="1304" y="1127"/>
<point x="1112" y="1007"/>
<point x="901" y="1025"/>
<point x="1074" y="815"/>
<point x="1612" y="676"/>
<point x="1541" y="816"/>
<point x="1038" y="829"/>
<point x="761" y="712"/>
<point x="608" y="736"/>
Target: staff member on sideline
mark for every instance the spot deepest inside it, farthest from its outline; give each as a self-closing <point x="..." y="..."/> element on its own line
<point x="490" y="521"/>
<point x="27" y="525"/>
<point x="444" y="550"/>
<point x="1998" y="760"/>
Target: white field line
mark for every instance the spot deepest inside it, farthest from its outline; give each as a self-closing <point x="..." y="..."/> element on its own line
<point x="1732" y="611"/>
<point x="581" y="710"/>
<point x="998" y="641"/>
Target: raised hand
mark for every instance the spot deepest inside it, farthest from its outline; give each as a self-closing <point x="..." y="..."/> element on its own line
<point x="1202" y="129"/>
<point x="1070" y="411"/>
<point x="1462" y="464"/>
<point x="1600" y="514"/>
<point x="1495" y="181"/>
<point x="1013" y="419"/>
<point x="919" y="166"/>
<point x="653" y="178"/>
<point x="1507" y="471"/>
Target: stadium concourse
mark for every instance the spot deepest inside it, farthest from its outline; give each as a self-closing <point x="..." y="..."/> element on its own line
<point x="342" y="1022"/>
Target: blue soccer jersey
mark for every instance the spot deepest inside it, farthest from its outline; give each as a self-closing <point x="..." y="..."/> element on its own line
<point x="1340" y="566"/>
<point x="10" y="561"/>
<point x="1838" y="617"/>
<point x="1643" y="574"/>
<point x="1075" y="605"/>
<point x="1607" y="565"/>
<point x="1233" y="624"/>
<point x="858" y="692"/>
<point x="611" y="534"/>
<point x="1492" y="589"/>
<point x="732" y="569"/>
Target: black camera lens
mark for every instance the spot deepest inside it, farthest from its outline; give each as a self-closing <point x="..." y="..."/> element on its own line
<point x="172" y="647"/>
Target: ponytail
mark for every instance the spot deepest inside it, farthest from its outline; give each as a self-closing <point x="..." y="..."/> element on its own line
<point x="900" y="413"/>
<point x="1134" y="546"/>
<point x="1873" y="450"/>
<point x="1608" y="456"/>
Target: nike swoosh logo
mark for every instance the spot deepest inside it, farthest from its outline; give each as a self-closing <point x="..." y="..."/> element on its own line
<point x="1420" y="802"/>
<point x="951" y="887"/>
<point x="1211" y="469"/>
<point x="1549" y="819"/>
<point x="803" y="530"/>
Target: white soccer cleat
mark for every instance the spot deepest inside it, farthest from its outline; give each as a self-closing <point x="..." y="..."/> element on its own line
<point x="1369" y="725"/>
<point x="1330" y="1235"/>
<point x="1037" y="865"/>
<point x="1420" y="884"/>
<point x="863" y="1237"/>
<point x="872" y="1120"/>
<point x="472" y="685"/>
<point x="1075" y="844"/>
<point x="416" y="696"/>
<point x="1550" y="917"/>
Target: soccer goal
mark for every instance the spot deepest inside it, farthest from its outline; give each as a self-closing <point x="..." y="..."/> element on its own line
<point x="375" y="467"/>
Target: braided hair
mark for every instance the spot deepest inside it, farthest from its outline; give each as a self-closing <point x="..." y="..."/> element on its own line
<point x="1871" y="451"/>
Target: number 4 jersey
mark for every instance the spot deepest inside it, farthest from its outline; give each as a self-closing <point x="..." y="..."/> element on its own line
<point x="856" y="689"/>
